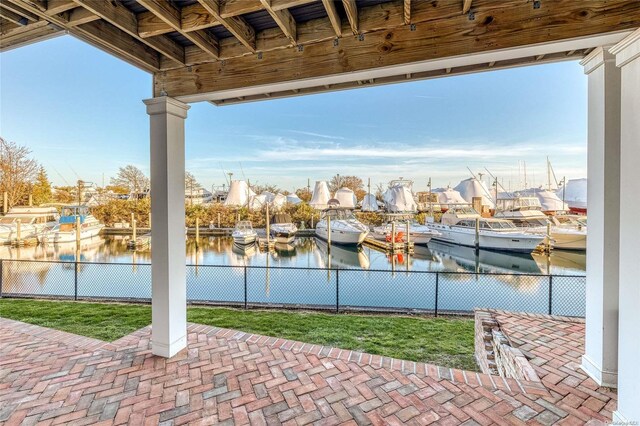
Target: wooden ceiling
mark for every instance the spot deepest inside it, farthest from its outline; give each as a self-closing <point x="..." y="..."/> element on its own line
<point x="195" y="46"/>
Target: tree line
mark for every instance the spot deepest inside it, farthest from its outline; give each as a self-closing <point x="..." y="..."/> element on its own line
<point x="22" y="176"/>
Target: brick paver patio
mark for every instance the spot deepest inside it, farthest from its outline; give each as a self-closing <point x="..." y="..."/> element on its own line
<point x="231" y="377"/>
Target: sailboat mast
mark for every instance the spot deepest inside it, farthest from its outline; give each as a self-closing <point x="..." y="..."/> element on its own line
<point x="548" y="175"/>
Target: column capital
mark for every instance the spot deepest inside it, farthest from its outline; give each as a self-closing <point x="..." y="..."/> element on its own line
<point x="628" y="49"/>
<point x="597" y="57"/>
<point x="166" y="105"/>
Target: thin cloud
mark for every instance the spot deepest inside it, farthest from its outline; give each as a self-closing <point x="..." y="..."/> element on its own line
<point x="317" y="135"/>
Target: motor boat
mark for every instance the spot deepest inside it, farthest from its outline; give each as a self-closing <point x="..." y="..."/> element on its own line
<point x="345" y="228"/>
<point x="418" y="234"/>
<point x="282" y="228"/>
<point x="567" y="232"/>
<point x="32" y="221"/>
<point x="65" y="231"/>
<point x="458" y="226"/>
<point x="244" y="233"/>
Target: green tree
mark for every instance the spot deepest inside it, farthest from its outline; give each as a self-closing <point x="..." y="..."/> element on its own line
<point x="41" y="188"/>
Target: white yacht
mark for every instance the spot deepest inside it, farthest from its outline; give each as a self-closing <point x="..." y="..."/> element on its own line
<point x="282" y="228"/>
<point x="244" y="233"/>
<point x="345" y="228"/>
<point x="65" y="231"/>
<point x="418" y="234"/>
<point x="567" y="232"/>
<point x="458" y="226"/>
<point x="31" y="220"/>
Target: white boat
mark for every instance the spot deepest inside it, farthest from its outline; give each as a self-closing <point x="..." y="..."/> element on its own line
<point x="398" y="198"/>
<point x="282" y="228"/>
<point x="458" y="226"/>
<point x="65" y="231"/>
<point x="32" y="221"/>
<point x="244" y="233"/>
<point x="345" y="228"/>
<point x="567" y="232"/>
<point x="418" y="234"/>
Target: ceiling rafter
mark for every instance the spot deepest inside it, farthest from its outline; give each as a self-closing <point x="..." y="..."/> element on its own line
<point x="352" y="14"/>
<point x="18" y="10"/>
<point x="466" y="6"/>
<point x="284" y="19"/>
<point x="101" y="34"/>
<point x="407" y="12"/>
<point x="171" y="15"/>
<point x="119" y="16"/>
<point x="13" y="17"/>
<point x="334" y="17"/>
<point x="236" y="25"/>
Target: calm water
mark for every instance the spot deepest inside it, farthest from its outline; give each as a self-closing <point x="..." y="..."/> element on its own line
<point x="366" y="278"/>
<point x="311" y="252"/>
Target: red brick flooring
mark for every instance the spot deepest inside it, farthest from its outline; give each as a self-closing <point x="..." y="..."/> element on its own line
<point x="230" y="377"/>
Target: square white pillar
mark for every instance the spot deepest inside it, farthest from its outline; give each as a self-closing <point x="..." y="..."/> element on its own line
<point x="627" y="54"/>
<point x="600" y="360"/>
<point x="168" y="259"/>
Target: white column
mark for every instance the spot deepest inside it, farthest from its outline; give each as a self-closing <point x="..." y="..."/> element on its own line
<point x="168" y="270"/>
<point x="600" y="360"/>
<point x="627" y="54"/>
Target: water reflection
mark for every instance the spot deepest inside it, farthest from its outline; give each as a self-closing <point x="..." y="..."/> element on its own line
<point x="312" y="253"/>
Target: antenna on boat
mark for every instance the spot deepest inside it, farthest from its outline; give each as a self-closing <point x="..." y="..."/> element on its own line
<point x="498" y="184"/>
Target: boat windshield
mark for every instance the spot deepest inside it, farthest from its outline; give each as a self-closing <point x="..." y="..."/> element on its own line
<point x="244" y="225"/>
<point x="486" y="224"/>
<point x="339" y="214"/>
<point x="23" y="219"/>
<point x="74" y="210"/>
<point x="465" y="210"/>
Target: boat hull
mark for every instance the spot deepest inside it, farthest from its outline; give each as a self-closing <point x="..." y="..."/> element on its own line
<point x="70" y="236"/>
<point x="346" y="238"/>
<point x="244" y="239"/>
<point x="518" y="243"/>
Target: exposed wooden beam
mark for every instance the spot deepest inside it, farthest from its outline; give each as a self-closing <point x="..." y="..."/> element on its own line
<point x="425" y="75"/>
<point x="13" y="17"/>
<point x="119" y="16"/>
<point x="236" y="25"/>
<point x="334" y="17"/>
<point x="352" y="14"/>
<point x="33" y="33"/>
<point x="466" y="6"/>
<point x="80" y="15"/>
<point x="449" y="36"/>
<point x="55" y="7"/>
<point x="286" y="4"/>
<point x="239" y="7"/>
<point x="284" y="19"/>
<point x="18" y="10"/>
<point x="170" y="15"/>
<point x="407" y="12"/>
<point x="104" y="36"/>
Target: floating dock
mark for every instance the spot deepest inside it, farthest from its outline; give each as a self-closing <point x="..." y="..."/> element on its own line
<point x="389" y="247"/>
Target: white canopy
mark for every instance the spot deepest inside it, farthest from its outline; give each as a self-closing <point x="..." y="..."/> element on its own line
<point x="320" y="195"/>
<point x="346" y="197"/>
<point x="575" y="193"/>
<point x="293" y="199"/>
<point x="239" y="194"/>
<point x="279" y="200"/>
<point x="472" y="187"/>
<point x="450" y="196"/>
<point x="257" y="202"/>
<point x="369" y="203"/>
<point x="399" y="198"/>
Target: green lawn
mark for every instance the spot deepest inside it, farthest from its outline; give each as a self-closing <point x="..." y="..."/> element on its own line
<point x="447" y="342"/>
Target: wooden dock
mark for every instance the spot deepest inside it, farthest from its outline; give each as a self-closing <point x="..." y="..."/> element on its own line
<point x="389" y="247"/>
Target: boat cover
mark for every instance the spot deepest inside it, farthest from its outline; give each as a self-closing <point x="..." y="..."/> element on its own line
<point x="450" y="196"/>
<point x="346" y="198"/>
<point x="293" y="199"/>
<point x="239" y="194"/>
<point x="472" y="187"/>
<point x="369" y="203"/>
<point x="575" y="193"/>
<point x="320" y="196"/>
<point x="399" y="198"/>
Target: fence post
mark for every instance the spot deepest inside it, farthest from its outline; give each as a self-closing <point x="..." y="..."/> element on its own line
<point x="75" y="280"/>
<point x="337" y="291"/>
<point x="437" y="285"/>
<point x="245" y="286"/>
<point x="1" y="276"/>
<point x="550" y="293"/>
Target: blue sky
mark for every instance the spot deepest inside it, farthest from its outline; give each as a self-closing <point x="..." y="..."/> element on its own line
<point x="80" y="111"/>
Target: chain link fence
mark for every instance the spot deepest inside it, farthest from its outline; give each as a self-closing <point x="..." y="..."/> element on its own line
<point x="306" y="288"/>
